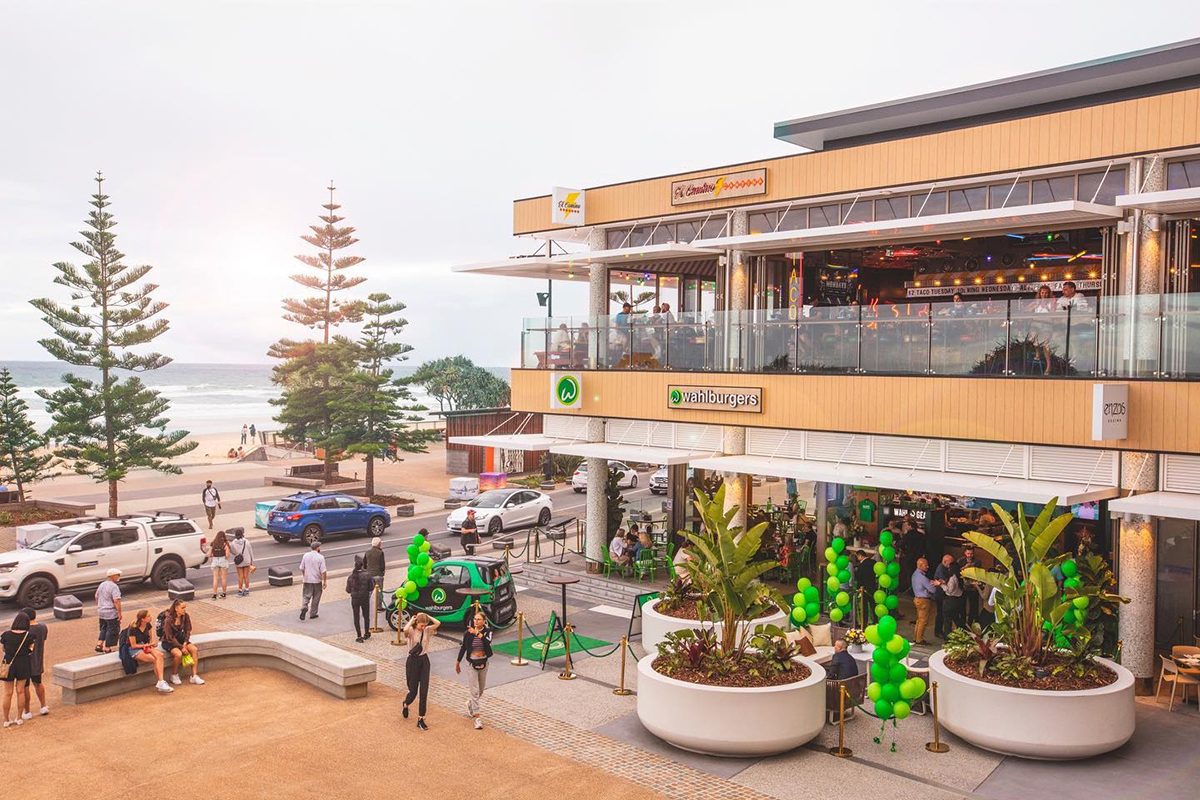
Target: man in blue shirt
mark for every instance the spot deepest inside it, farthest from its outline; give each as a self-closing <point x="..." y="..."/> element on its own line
<point x="923" y="596"/>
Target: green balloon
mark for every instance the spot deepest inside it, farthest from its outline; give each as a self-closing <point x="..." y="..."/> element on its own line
<point x="798" y="599"/>
<point x="413" y="552"/>
<point x="881" y="656"/>
<point x="813" y="610"/>
<point x="422" y="581"/>
<point x="879" y="596"/>
<point x="887" y="553"/>
<point x="831" y="569"/>
<point x="895" y="645"/>
<point x="879" y="567"/>
<point x="891" y="692"/>
<point x="919" y="685"/>
<point x="885" y="581"/>
<point x="1080" y="602"/>
<point x="835" y="615"/>
<point x="832" y="584"/>
<point x="886" y="537"/>
<point x="830" y="554"/>
<point x="1072" y="583"/>
<point x="839" y="544"/>
<point x="803" y="584"/>
<point x="883" y="709"/>
<point x="872" y="634"/>
<point x="908" y="690"/>
<point x="419" y="539"/>
<point x="880" y="610"/>
<point x="879" y="673"/>
<point x="887" y="627"/>
<point x="903" y="647"/>
<point x="897" y="673"/>
<point x="901" y="709"/>
<point x="874" y="691"/>
<point x="409" y="587"/>
<point x="811" y="594"/>
<point x="843" y="576"/>
<point x="893" y="569"/>
<point x="423" y="558"/>
<point x="891" y="601"/>
<point x="1069" y="568"/>
<point x="798" y="615"/>
<point x="842" y="599"/>
<point x="842" y="561"/>
<point x="424" y="547"/>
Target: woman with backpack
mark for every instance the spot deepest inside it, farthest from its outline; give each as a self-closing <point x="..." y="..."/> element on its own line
<point x="14" y="669"/>
<point x="477" y="647"/>
<point x="359" y="585"/>
<point x="175" y="637"/>
<point x="219" y="552"/>
<point x="243" y="560"/>
<point x="137" y="647"/>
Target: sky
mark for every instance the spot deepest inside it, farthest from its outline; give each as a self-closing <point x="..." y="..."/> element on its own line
<point x="218" y="126"/>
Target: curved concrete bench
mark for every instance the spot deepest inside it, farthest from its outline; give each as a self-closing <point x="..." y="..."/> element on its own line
<point x="329" y="668"/>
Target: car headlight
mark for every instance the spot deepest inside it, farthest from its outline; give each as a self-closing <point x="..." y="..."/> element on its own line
<point x="7" y="568"/>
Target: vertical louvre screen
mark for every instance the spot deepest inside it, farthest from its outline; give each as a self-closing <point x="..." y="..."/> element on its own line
<point x="895" y="451"/>
<point x="1095" y="467"/>
<point x="769" y="442"/>
<point x="700" y="438"/>
<point x="1181" y="474"/>
<point x="560" y="426"/>
<point x="986" y="458"/>
<point x="839" y="447"/>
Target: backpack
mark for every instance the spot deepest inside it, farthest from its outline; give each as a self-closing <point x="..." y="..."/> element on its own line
<point x="159" y="625"/>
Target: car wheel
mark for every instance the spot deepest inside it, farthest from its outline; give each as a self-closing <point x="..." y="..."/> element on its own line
<point x="375" y="528"/>
<point x="36" y="592"/>
<point x="544" y="517"/>
<point x="633" y="482"/>
<point x="166" y="571"/>
<point x="577" y="490"/>
<point x="494" y="526"/>
<point x="312" y="533"/>
<point x="280" y="539"/>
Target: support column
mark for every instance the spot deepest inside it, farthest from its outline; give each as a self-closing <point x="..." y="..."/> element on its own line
<point x="597" y="500"/>
<point x="1137" y="571"/>
<point x="597" y="302"/>
<point x="1141" y="272"/>
<point x="738" y="292"/>
<point x="736" y="484"/>
<point x="677" y="493"/>
<point x="821" y="512"/>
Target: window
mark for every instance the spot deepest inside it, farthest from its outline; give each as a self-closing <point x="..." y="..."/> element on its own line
<point x="928" y="204"/>
<point x="91" y="541"/>
<point x="714" y="227"/>
<point x="122" y="536"/>
<point x="891" y="208"/>
<point x="664" y="234"/>
<point x="763" y="221"/>
<point x="853" y="212"/>
<point x="1183" y="174"/>
<point x="1092" y="191"/>
<point x="793" y="219"/>
<point x="184" y="528"/>
<point x="640" y="236"/>
<point x="450" y="575"/>
<point x="823" y="216"/>
<point x="347" y="502"/>
<point x="613" y="237"/>
<point x="1053" y="190"/>
<point x="1000" y="192"/>
<point x="973" y="199"/>
<point x="322" y="504"/>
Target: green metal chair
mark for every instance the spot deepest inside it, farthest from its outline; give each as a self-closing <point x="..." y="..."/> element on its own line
<point x="644" y="565"/>
<point x="610" y="565"/>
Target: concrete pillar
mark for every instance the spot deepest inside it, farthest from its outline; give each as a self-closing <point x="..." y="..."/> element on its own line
<point x="821" y="513"/>
<point x="736" y="484"/>
<point x="738" y="292"/>
<point x="1137" y="570"/>
<point x="1141" y="273"/>
<point x="597" y="301"/>
<point x="597" y="501"/>
<point x="679" y="496"/>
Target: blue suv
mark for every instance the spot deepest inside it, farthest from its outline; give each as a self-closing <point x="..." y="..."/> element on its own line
<point x="313" y="517"/>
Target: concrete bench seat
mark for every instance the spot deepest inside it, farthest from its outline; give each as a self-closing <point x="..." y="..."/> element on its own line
<point x="329" y="668"/>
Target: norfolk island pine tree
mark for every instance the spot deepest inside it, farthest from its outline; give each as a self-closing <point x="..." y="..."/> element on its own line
<point x="21" y="458"/>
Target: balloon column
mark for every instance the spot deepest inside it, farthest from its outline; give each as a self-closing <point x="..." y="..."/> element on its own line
<point x="837" y="567"/>
<point x="419" y="567"/>
<point x="806" y="603"/>
<point x="891" y="690"/>
<point x="887" y="576"/>
<point x="1074" y="616"/>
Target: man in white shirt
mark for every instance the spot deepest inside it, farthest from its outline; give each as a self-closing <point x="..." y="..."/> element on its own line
<point x="1071" y="299"/>
<point x="312" y="572"/>
<point x="212" y="501"/>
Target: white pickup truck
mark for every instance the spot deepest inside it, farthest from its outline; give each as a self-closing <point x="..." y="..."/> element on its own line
<point x="78" y="556"/>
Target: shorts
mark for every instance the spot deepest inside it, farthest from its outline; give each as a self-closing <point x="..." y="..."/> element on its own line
<point x="219" y="562"/>
<point x="210" y="512"/>
<point x="110" y="629"/>
<point x="36" y="679"/>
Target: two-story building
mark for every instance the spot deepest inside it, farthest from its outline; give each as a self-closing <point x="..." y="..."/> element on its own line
<point x="982" y="294"/>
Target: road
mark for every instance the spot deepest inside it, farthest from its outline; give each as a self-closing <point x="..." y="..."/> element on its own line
<point x="339" y="552"/>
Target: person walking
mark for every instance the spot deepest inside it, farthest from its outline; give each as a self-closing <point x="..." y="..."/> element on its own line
<point x="359" y="585"/>
<point x="477" y="648"/>
<point x="176" y="639"/>
<point x="18" y="647"/>
<point x="243" y="560"/>
<point x="219" y="553"/>
<point x="108" y="611"/>
<point x="245" y="432"/>
<point x="374" y="564"/>
<point x="137" y="647"/>
<point x="312" y="569"/>
<point x="419" y="633"/>
<point x="212" y="501"/>
<point x="253" y="434"/>
<point x="470" y="533"/>
<point x="37" y="662"/>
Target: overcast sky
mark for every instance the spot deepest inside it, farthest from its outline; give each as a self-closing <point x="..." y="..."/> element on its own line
<point x="218" y="124"/>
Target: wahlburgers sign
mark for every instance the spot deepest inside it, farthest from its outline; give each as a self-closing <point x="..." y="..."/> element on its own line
<point x="715" y="398"/>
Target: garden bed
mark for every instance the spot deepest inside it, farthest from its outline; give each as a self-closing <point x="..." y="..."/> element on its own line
<point x="391" y="500"/>
<point x="656" y="625"/>
<point x="28" y="515"/>
<point x="742" y="675"/>
<point x="689" y="609"/>
<point x="1095" y="676"/>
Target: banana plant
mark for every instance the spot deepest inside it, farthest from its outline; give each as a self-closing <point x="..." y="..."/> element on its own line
<point x="723" y="571"/>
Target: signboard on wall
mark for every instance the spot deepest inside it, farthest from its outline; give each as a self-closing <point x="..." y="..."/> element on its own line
<point x="566" y="390"/>
<point x="949" y="290"/>
<point x="567" y="206"/>
<point x="715" y="398"/>
<point x="1110" y="411"/>
<point x="714" y="187"/>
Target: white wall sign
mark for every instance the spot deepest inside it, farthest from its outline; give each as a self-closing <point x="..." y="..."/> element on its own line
<point x="566" y="390"/>
<point x="567" y="206"/>
<point x="1110" y="411"/>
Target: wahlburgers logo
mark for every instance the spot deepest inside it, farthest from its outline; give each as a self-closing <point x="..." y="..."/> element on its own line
<point x="719" y="398"/>
<point x="438" y="596"/>
<point x="567" y="390"/>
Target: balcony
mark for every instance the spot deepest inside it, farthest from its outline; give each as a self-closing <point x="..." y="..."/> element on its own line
<point x="1147" y="336"/>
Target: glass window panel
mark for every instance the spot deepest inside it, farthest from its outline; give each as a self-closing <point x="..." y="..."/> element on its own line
<point x="822" y="216"/>
<point x="1053" y="190"/>
<point x="793" y="219"/>
<point x="1183" y="174"/>
<point x="687" y="230"/>
<point x="924" y="205"/>
<point x="1114" y="184"/>
<point x="1000" y="191"/>
<point x="640" y="236"/>
<point x="1176" y="545"/>
<point x="614" y="236"/>
<point x="891" y="208"/>
<point x="665" y="233"/>
<point x="714" y="227"/>
<point x="859" y="211"/>
<point x="763" y="221"/>
<point x="122" y="536"/>
<point x="972" y="199"/>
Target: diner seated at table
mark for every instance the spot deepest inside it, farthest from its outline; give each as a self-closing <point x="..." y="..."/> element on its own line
<point x="842" y="665"/>
<point x="618" y="548"/>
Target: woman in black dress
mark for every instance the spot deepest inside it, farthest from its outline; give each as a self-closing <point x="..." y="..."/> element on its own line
<point x="18" y="647"/>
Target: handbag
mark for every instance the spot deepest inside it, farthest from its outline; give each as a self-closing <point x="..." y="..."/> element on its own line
<point x="5" y="665"/>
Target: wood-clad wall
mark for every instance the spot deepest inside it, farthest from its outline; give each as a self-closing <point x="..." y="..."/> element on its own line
<point x="1023" y="410"/>
<point x="1103" y="131"/>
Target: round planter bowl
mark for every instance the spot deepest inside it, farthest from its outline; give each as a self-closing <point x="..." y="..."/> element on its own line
<point x="730" y="720"/>
<point x="1042" y="725"/>
<point x="656" y="626"/>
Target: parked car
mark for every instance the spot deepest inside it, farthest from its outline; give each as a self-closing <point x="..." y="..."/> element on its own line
<point x="314" y="516"/>
<point x="628" y="480"/>
<point x="79" y="554"/>
<point x="658" y="481"/>
<point x="504" y="509"/>
<point x="441" y="597"/>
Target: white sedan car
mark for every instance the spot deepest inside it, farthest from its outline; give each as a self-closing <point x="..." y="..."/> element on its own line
<point x="628" y="480"/>
<point x="504" y="509"/>
<point x="659" y="482"/>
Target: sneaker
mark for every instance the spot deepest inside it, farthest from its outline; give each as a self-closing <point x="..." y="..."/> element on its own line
<point x="27" y="715"/>
<point x="358" y="639"/>
<point x="214" y="597"/>
<point x="222" y="595"/>
<point x="164" y="687"/>
<point x="45" y="710"/>
<point x="314" y="616"/>
<point x="404" y="711"/>
<point x="303" y="613"/>
<point x="18" y="721"/>
<point x="196" y="679"/>
<point x="367" y="635"/>
<point x="7" y="722"/>
<point x="420" y="724"/>
<point x="175" y="680"/>
<point x="478" y="724"/>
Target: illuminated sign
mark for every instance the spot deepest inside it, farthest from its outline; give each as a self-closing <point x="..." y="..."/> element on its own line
<point x="715" y="398"/>
<point x="567" y="206"/>
<point x="715" y="187"/>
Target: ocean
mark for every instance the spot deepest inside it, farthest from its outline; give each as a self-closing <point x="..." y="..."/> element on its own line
<point x="205" y="398"/>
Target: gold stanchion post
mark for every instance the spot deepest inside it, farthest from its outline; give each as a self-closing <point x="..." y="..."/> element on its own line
<point x="507" y="548"/>
<point x="399" y="628"/>
<point x="378" y="602"/>
<point x="566" y="674"/>
<point x="937" y="745"/>
<point x="1120" y="647"/>
<point x="841" y="751"/>
<point x="518" y="661"/>
<point x="536" y="556"/>
<point x="622" y="691"/>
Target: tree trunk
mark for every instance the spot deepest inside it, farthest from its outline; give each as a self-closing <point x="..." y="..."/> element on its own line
<point x="328" y="474"/>
<point x="370" y="477"/>
<point x="17" y="477"/>
<point x="112" y="498"/>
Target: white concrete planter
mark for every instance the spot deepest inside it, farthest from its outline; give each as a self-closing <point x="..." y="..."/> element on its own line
<point x="1048" y="726"/>
<point x="656" y="626"/>
<point x="730" y="720"/>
